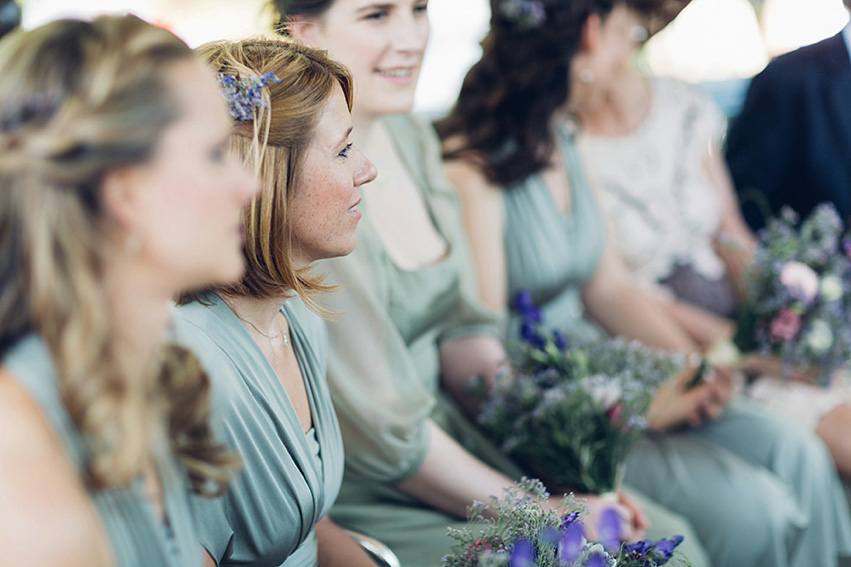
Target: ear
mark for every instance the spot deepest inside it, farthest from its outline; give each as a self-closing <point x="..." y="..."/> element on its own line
<point x="120" y="195"/>
<point x="591" y="33"/>
<point x="305" y="30"/>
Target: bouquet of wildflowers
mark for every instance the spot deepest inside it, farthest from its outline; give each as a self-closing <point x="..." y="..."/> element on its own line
<point x="526" y="532"/>
<point x="797" y="302"/>
<point x="570" y="413"/>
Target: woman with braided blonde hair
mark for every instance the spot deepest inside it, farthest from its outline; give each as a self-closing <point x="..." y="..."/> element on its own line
<point x="116" y="192"/>
<point x="261" y="340"/>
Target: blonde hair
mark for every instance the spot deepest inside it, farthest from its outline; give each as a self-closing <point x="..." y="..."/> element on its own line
<point x="79" y="99"/>
<point x="273" y="144"/>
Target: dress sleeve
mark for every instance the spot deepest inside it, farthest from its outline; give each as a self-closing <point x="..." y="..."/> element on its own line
<point x="381" y="404"/>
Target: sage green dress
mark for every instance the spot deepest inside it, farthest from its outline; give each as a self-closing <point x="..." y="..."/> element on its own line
<point x="289" y="477"/>
<point x="137" y="536"/>
<point x="758" y="490"/>
<point x="384" y="368"/>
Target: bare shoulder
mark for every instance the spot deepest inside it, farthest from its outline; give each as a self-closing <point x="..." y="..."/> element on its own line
<point x="47" y="516"/>
<point x="468" y="176"/>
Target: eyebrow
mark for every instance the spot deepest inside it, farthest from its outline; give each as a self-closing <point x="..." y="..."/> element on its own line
<point x="375" y="6"/>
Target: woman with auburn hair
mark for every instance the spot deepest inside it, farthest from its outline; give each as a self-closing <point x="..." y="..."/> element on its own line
<point x="757" y="490"/>
<point x="115" y="194"/>
<point x="261" y="339"/>
<point x="410" y="331"/>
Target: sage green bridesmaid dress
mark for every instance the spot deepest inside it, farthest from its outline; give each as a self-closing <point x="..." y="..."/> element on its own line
<point x="137" y="536"/>
<point x="758" y="490"/>
<point x="290" y="477"/>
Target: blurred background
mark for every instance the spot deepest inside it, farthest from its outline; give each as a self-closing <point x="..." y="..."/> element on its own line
<point x="718" y="44"/>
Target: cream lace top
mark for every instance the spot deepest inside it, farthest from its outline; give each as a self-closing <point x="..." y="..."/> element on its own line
<point x="654" y="190"/>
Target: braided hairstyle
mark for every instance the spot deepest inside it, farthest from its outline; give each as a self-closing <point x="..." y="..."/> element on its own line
<point x="77" y="100"/>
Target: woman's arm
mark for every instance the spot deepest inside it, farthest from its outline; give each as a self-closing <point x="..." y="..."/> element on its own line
<point x="337" y="548"/>
<point x="484" y="221"/>
<point x="734" y="242"/>
<point x="616" y="303"/>
<point x="450" y="478"/>
<point x="47" y="518"/>
<point x="704" y="327"/>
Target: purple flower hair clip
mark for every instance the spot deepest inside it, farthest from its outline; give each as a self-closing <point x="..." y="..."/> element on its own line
<point x="37" y="106"/>
<point x="245" y="93"/>
<point x="525" y="14"/>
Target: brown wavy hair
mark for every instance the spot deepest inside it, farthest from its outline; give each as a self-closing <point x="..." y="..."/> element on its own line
<point x="502" y="117"/>
<point x="78" y="100"/>
<point x="283" y="9"/>
<point x="273" y="144"/>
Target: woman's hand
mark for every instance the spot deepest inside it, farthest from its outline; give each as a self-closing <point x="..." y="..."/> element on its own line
<point x="676" y="404"/>
<point x="633" y="520"/>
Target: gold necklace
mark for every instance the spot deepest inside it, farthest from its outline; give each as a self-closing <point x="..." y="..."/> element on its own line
<point x="282" y="335"/>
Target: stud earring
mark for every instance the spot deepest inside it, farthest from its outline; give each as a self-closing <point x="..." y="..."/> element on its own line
<point x="586" y="75"/>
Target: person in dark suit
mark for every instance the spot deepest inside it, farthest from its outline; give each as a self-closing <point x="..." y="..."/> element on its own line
<point x="791" y="144"/>
<point x="10" y="16"/>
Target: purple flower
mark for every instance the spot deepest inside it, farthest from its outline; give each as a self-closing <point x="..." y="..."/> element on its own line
<point x="570" y="544"/>
<point x="596" y="560"/>
<point x="522" y="554"/>
<point x="531" y="335"/>
<point x="561" y="341"/>
<point x="609" y="529"/>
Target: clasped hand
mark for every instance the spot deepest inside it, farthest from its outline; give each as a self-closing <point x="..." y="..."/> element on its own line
<point x="676" y="404"/>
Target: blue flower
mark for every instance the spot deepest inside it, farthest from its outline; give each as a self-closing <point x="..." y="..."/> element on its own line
<point x="530" y="335"/>
<point x="596" y="560"/>
<point x="522" y="554"/>
<point x="570" y="544"/>
<point x="609" y="529"/>
<point x="561" y="341"/>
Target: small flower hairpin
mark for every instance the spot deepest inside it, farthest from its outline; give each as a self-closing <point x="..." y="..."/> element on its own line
<point x="244" y="93"/>
<point x="36" y="106"/>
<point x="525" y="14"/>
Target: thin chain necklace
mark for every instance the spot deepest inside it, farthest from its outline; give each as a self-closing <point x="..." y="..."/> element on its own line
<point x="282" y="335"/>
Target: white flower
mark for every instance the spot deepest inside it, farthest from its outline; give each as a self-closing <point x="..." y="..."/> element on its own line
<point x="831" y="288"/>
<point x="603" y="391"/>
<point x="819" y="338"/>
<point x="723" y="353"/>
<point x="800" y="277"/>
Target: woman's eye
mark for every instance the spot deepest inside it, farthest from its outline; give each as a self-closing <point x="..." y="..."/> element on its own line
<point x="421" y="8"/>
<point x="378" y="15"/>
<point x="344" y="153"/>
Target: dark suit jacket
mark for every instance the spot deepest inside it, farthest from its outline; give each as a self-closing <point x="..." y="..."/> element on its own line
<point x="791" y="144"/>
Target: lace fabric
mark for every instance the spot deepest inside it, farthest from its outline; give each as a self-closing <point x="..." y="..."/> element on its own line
<point x="663" y="208"/>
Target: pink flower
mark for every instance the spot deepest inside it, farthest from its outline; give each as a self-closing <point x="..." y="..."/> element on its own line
<point x="614" y="413"/>
<point x="801" y="279"/>
<point x="785" y="326"/>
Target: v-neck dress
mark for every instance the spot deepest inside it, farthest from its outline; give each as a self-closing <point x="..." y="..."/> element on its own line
<point x="137" y="535"/>
<point x="756" y="488"/>
<point x="289" y="477"/>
